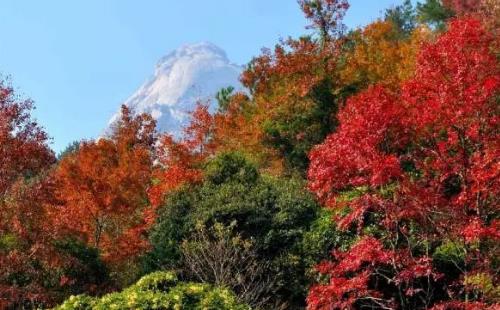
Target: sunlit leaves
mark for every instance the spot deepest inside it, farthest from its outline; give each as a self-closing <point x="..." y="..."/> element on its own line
<point x="428" y="154"/>
<point x="103" y="188"/>
<point x="381" y="56"/>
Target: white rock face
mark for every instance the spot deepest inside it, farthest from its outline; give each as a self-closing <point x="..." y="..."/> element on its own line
<point x="187" y="75"/>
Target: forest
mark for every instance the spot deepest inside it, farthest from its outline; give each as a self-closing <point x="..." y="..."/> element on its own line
<point x="359" y="169"/>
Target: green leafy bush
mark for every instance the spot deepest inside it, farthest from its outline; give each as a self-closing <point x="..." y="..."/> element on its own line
<point x="174" y="220"/>
<point x="8" y="242"/>
<point x="160" y="290"/>
<point x="157" y="282"/>
<point x="79" y="302"/>
<point x="449" y="258"/>
<point x="274" y="213"/>
<point x="230" y="167"/>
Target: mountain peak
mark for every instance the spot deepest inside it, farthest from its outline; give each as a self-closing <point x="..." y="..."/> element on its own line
<point x="191" y="73"/>
<point x="193" y="50"/>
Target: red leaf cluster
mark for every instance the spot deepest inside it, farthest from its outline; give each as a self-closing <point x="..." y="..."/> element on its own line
<point x="25" y="232"/>
<point x="428" y="157"/>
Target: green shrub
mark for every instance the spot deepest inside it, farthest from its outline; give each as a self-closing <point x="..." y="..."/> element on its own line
<point x="159" y="290"/>
<point x="322" y="238"/>
<point x="449" y="258"/>
<point x="203" y="296"/>
<point x="173" y="222"/>
<point x="8" y="242"/>
<point x="134" y="298"/>
<point x="229" y="167"/>
<point x="274" y="213"/>
<point x="80" y="302"/>
<point x="157" y="282"/>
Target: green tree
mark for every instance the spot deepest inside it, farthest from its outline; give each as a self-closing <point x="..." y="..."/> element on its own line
<point x="223" y="97"/>
<point x="71" y="148"/>
<point x="273" y="213"/>
<point x="403" y="16"/>
<point x="434" y="13"/>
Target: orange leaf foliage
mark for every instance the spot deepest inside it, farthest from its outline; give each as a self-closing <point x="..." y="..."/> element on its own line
<point x="239" y="129"/>
<point x="380" y="56"/>
<point x="104" y="185"/>
<point x="179" y="162"/>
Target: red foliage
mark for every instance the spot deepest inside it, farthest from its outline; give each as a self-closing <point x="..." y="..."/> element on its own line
<point x="23" y="144"/>
<point x="199" y="133"/>
<point x="459" y="305"/>
<point x="354" y="156"/>
<point x="26" y="225"/>
<point x="429" y="160"/>
<point x="103" y="187"/>
<point x="292" y="106"/>
<point x="343" y="290"/>
<point x="25" y="192"/>
<point x="462" y="7"/>
<point x="180" y="161"/>
<point x="297" y="64"/>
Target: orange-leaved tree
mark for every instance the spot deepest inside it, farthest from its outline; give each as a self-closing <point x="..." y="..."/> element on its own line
<point x="295" y="90"/>
<point x="381" y="55"/>
<point x="103" y="187"/>
<point x="180" y="160"/>
<point x="236" y="128"/>
<point x="294" y="96"/>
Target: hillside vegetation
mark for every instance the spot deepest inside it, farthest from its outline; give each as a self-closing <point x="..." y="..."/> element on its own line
<point x="360" y="169"/>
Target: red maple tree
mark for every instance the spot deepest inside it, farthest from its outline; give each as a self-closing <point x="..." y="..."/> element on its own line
<point x="24" y="147"/>
<point x="25" y="193"/>
<point x="426" y="161"/>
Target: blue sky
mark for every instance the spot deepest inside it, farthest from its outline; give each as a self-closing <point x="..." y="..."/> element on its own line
<point x="80" y="59"/>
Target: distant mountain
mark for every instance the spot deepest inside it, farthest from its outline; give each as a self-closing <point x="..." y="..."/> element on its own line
<point x="187" y="75"/>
